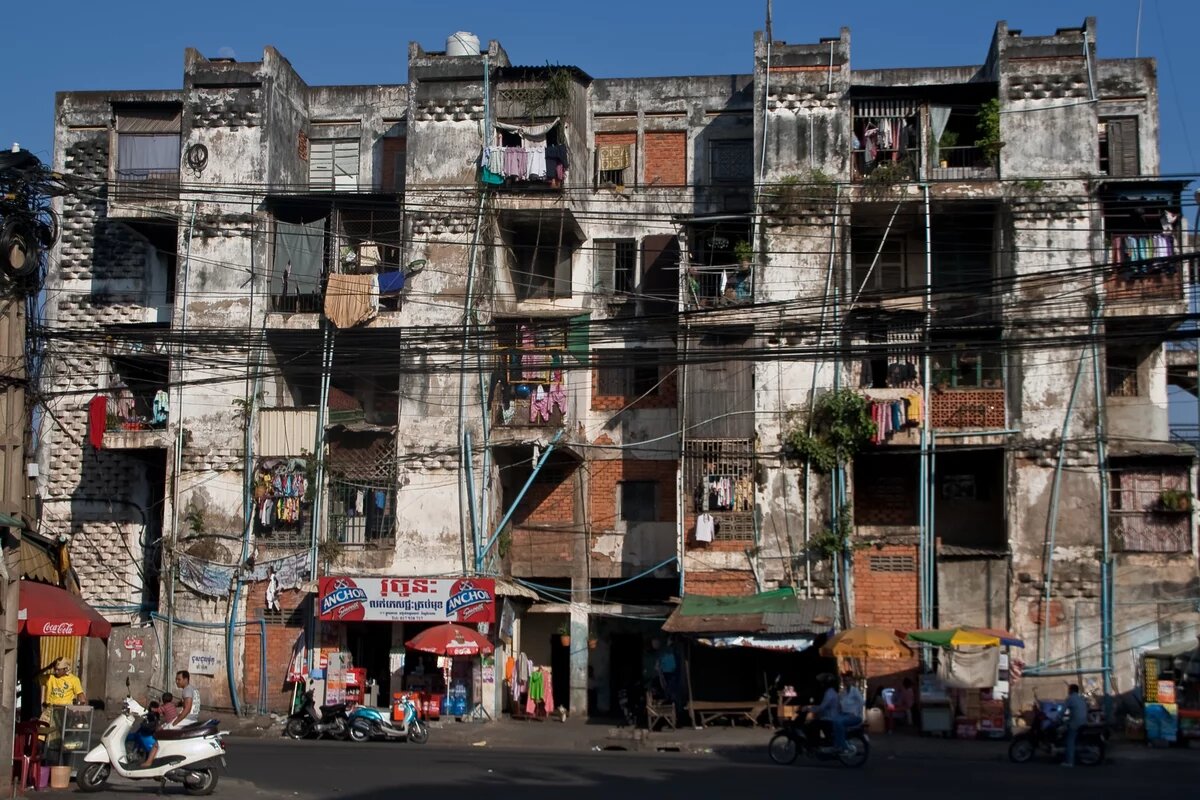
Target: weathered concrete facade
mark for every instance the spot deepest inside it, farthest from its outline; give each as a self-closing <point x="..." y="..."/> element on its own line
<point x="715" y="255"/>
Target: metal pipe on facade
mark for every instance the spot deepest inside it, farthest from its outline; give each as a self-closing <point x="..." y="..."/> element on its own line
<point x="463" y="453"/>
<point x="924" y="541"/>
<point x="177" y="460"/>
<point x="520" y="495"/>
<point x="1055" y="488"/>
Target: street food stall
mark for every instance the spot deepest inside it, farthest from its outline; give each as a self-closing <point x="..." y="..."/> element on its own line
<point x="736" y="646"/>
<point x="969" y="694"/>
<point x="1171" y="692"/>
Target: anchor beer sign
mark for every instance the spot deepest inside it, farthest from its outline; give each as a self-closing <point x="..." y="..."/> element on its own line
<point x="347" y="599"/>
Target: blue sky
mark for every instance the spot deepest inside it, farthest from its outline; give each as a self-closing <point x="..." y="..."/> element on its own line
<point x="135" y="44"/>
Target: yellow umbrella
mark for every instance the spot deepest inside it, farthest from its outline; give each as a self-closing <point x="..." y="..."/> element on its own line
<point x="865" y="641"/>
<point x="956" y="637"/>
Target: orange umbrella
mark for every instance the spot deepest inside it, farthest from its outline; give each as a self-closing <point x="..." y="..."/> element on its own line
<point x="866" y="641"/>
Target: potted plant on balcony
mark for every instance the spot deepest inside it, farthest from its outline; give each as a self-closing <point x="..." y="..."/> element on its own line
<point x="744" y="253"/>
<point x="948" y="140"/>
<point x="1175" y="500"/>
<point x="564" y="635"/>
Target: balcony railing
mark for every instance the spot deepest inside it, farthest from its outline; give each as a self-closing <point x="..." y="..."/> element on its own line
<point x="519" y="412"/>
<point x="146" y="184"/>
<point x="961" y="164"/>
<point x="718" y="287"/>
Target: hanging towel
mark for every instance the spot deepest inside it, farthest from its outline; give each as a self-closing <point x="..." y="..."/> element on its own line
<point x="97" y="420"/>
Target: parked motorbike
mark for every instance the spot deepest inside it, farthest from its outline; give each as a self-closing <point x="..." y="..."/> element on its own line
<point x="311" y="720"/>
<point x="188" y="756"/>
<point x="1048" y="737"/>
<point x="372" y="723"/>
<point x="814" y="740"/>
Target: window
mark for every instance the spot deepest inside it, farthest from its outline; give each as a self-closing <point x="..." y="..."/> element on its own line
<point x="619" y="378"/>
<point x="148" y="145"/>
<point x="731" y="161"/>
<point x="540" y="258"/>
<point x="890" y="272"/>
<point x="1119" y="147"/>
<point x="333" y="164"/>
<point x="616" y="157"/>
<point x="1151" y="509"/>
<point x="639" y="501"/>
<point x="1122" y="373"/>
<point x="616" y="265"/>
<point x="967" y="369"/>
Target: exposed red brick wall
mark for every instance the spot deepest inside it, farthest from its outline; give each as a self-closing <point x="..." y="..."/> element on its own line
<point x="605" y="474"/>
<point x="544" y="526"/>
<point x="889" y="600"/>
<point x="280" y="640"/>
<point x="726" y="583"/>
<point x="666" y="396"/>
<point x="967" y="408"/>
<point x="666" y="158"/>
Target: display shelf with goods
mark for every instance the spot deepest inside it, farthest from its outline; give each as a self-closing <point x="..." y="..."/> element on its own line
<point x="1171" y="692"/>
<point x="70" y="736"/>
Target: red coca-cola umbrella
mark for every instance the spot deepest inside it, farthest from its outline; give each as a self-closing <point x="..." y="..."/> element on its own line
<point x="450" y="640"/>
<point x="49" y="611"/>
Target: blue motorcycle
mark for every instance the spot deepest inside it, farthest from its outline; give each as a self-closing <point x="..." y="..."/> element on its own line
<point x="374" y="723"/>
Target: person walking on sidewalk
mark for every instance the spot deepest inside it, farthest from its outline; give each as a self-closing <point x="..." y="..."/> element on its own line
<point x="1077" y="715"/>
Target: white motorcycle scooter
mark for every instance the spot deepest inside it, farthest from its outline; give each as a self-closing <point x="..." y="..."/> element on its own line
<point x="185" y="755"/>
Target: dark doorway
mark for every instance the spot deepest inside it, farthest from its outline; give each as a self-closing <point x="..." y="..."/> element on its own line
<point x="369" y="644"/>
<point x="626" y="666"/>
<point x="560" y="666"/>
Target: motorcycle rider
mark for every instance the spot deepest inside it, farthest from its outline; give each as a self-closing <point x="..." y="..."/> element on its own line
<point x="1077" y="716"/>
<point x="829" y="710"/>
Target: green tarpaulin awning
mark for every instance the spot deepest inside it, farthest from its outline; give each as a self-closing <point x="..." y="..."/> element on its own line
<point x="778" y="600"/>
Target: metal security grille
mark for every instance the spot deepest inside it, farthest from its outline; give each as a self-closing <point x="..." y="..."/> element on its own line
<point x="711" y="466"/>
<point x="893" y="564"/>
<point x="731" y="161"/>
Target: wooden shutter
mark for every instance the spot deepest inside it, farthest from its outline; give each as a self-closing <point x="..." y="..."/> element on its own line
<point x="604" y="262"/>
<point x="562" y="271"/>
<point x="345" y="164"/>
<point x="320" y="164"/>
<point x="1123" y="147"/>
<point x="393" y="164"/>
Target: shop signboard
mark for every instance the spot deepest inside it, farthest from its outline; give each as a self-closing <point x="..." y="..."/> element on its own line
<point x="352" y="599"/>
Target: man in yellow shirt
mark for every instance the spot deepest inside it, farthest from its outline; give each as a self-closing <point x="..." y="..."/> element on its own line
<point x="61" y="688"/>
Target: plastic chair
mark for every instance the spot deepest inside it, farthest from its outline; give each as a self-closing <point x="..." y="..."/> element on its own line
<point x="27" y="754"/>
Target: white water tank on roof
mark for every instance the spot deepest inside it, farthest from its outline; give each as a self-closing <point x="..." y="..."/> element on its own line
<point x="462" y="44"/>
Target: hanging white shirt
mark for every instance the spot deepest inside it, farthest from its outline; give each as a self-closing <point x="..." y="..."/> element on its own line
<point x="705" y="525"/>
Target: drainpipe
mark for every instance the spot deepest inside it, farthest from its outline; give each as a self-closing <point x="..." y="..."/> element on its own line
<point x="463" y="454"/>
<point x="925" y="543"/>
<point x="177" y="461"/>
<point x="1106" y="562"/>
<point x="1055" y="487"/>
<point x="680" y="530"/>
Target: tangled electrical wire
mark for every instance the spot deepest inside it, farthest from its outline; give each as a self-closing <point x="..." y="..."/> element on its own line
<point x="28" y="225"/>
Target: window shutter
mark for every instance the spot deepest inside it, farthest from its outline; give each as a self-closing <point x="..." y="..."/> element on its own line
<point x="320" y="164"/>
<point x="604" y="261"/>
<point x="1123" y="147"/>
<point x="345" y="164"/>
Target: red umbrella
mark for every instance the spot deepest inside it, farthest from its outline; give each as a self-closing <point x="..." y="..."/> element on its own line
<point x="450" y="640"/>
<point x="49" y="611"/>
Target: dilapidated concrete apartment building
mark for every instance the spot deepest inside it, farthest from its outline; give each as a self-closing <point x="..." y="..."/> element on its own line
<point x="558" y="330"/>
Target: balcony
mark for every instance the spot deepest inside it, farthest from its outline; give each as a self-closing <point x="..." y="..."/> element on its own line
<point x="961" y="164"/>
<point x="1143" y="222"/>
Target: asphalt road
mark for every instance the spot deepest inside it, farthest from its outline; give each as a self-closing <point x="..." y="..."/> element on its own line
<point x="276" y="769"/>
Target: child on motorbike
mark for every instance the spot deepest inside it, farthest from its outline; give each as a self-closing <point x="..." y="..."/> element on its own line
<point x="144" y="736"/>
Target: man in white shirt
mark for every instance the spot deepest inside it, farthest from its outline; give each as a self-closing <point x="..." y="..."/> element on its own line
<point x="189" y="713"/>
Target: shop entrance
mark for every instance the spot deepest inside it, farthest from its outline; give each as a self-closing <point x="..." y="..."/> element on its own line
<point x="627" y="652"/>
<point x="368" y="644"/>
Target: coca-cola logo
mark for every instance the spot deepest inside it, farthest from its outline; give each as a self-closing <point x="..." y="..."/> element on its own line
<point x="467" y="601"/>
<point x="343" y="594"/>
<point x="58" y="629"/>
<point x="133" y="643"/>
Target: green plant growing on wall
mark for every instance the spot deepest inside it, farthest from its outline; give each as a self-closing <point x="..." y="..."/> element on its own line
<point x="1175" y="500"/>
<point x="793" y="192"/>
<point x="194" y="516"/>
<point x="743" y="252"/>
<point x="989" y="131"/>
<point x="886" y="176"/>
<point x="548" y="96"/>
<point x="837" y="539"/>
<point x="838" y="427"/>
<point x="329" y="551"/>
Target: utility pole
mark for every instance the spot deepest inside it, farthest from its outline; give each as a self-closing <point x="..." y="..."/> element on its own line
<point x="27" y="230"/>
